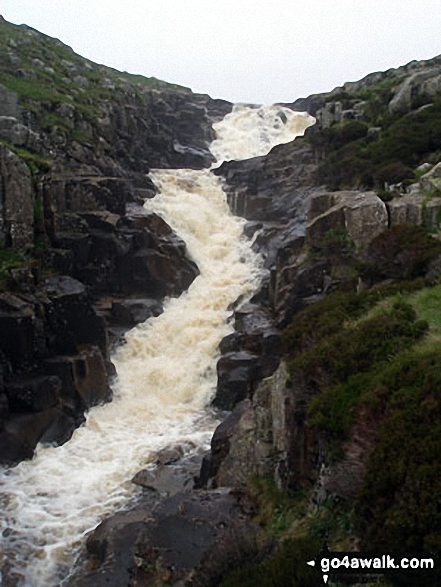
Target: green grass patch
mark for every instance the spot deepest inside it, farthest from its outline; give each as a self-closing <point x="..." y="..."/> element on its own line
<point x="10" y="259"/>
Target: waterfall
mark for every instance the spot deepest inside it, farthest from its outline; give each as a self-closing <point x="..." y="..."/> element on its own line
<point x="166" y="370"/>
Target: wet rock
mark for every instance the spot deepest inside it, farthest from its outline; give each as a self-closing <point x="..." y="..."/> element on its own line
<point x="254" y="440"/>
<point x="237" y="373"/>
<point x="170" y="479"/>
<point x="17" y="325"/>
<point x="196" y="536"/>
<point x="169" y="455"/>
<point x="21" y="433"/>
<point x="33" y="393"/>
<point x="83" y="377"/>
<point x="70" y="319"/>
<point x="221" y="444"/>
<point x="131" y="311"/>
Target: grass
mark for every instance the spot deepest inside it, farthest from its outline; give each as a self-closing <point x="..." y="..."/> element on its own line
<point x="10" y="259"/>
<point x="42" y="94"/>
<point x="396" y="382"/>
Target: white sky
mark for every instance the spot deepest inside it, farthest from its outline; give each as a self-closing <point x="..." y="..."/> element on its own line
<point x="259" y="51"/>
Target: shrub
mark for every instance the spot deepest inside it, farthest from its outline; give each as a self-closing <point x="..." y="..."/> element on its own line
<point x="356" y="348"/>
<point x="395" y="172"/>
<point x="399" y="506"/>
<point x="402" y="252"/>
<point x="9" y="259"/>
<point x="286" y="568"/>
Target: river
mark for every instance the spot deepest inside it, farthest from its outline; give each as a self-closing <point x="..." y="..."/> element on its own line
<point x="166" y="370"/>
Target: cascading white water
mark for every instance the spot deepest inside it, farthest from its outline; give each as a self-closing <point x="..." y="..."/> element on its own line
<point x="166" y="371"/>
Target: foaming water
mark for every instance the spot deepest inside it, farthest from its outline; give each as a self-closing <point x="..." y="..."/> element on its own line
<point x="166" y="375"/>
<point x="249" y="132"/>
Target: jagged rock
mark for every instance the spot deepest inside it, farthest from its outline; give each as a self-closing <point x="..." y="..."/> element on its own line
<point x="16" y="202"/>
<point x="360" y="215"/>
<point x="237" y="374"/>
<point x="422" y="85"/>
<point x="196" y="536"/>
<point x="21" y="433"/>
<point x="128" y="312"/>
<point x="254" y="440"/>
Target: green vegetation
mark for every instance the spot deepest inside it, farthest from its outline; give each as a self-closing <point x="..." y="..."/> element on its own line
<point x="339" y="242"/>
<point x="351" y="157"/>
<point x="402" y="252"/>
<point x="372" y="359"/>
<point x="286" y="568"/>
<point x="9" y="259"/>
<point x="50" y="80"/>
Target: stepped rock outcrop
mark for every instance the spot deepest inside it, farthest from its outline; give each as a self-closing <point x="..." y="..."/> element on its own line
<point x="77" y="142"/>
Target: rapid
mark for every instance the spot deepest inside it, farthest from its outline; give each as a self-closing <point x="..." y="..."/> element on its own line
<point x="166" y="372"/>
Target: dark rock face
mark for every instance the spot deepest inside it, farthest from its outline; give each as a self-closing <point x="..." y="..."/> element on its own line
<point x="250" y="353"/>
<point x="16" y="202"/>
<point x="193" y="537"/>
<point x="53" y="355"/>
<point x="137" y="252"/>
<point x="81" y="206"/>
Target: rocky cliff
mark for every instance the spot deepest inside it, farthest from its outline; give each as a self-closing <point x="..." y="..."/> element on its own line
<point x="341" y="217"/>
<point x="348" y="219"/>
<point x="79" y="258"/>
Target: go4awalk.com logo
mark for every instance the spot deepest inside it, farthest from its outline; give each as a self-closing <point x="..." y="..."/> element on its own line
<point x="338" y="564"/>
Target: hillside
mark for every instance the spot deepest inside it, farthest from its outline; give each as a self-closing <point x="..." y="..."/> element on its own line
<point x="80" y="261"/>
<point x="338" y="446"/>
<point x="332" y="377"/>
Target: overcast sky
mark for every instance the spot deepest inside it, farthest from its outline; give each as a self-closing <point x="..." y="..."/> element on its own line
<point x="260" y="51"/>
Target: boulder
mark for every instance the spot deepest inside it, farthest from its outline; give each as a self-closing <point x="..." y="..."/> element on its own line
<point x="237" y="374"/>
<point x="131" y="311"/>
<point x="194" y="537"/>
<point x="421" y="86"/>
<point x="253" y="440"/>
<point x="358" y="216"/>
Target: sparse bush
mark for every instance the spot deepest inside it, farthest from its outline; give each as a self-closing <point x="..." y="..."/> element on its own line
<point x="402" y="252"/>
